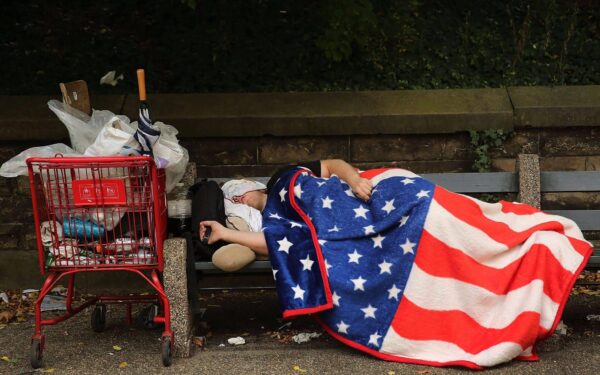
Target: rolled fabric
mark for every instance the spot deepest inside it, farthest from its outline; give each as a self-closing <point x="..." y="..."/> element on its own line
<point x="50" y="230"/>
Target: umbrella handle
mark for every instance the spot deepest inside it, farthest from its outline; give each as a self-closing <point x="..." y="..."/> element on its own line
<point x="141" y="78"/>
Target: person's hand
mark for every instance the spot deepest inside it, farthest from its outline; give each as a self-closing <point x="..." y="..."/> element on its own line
<point x="361" y="187"/>
<point x="216" y="230"/>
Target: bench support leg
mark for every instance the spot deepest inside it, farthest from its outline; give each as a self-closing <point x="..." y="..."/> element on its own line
<point x="176" y="288"/>
<point x="528" y="166"/>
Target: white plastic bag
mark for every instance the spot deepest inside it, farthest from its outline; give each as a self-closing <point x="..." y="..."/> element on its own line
<point x="169" y="154"/>
<point x="82" y="128"/>
<point x="174" y="172"/>
<point x="16" y="166"/>
<point x="114" y="137"/>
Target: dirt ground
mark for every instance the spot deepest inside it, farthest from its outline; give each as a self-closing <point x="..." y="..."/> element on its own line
<point x="73" y="348"/>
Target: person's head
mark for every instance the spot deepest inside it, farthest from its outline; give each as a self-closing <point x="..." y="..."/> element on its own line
<point x="248" y="192"/>
<point x="255" y="199"/>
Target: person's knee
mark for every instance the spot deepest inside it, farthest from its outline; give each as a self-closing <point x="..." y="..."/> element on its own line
<point x="233" y="257"/>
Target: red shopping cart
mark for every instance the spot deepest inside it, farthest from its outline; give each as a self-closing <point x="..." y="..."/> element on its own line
<point x="98" y="214"/>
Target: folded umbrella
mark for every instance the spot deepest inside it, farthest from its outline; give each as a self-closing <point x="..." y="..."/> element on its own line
<point x="146" y="134"/>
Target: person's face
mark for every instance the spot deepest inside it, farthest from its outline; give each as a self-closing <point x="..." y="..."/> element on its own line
<point x="253" y="199"/>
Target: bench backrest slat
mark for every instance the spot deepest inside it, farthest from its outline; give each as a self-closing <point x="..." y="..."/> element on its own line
<point x="487" y="182"/>
<point x="570" y="181"/>
<point x="585" y="219"/>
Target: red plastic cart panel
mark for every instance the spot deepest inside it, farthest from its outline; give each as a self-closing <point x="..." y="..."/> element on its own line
<point x="109" y="191"/>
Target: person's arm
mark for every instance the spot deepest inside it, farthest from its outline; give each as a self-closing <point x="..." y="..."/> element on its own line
<point x="360" y="186"/>
<point x="254" y="240"/>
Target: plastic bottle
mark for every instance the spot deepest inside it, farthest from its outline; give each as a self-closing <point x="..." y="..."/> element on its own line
<point x="179" y="209"/>
<point x="82" y="229"/>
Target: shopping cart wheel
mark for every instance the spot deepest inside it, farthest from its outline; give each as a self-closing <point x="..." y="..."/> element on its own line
<point x="165" y="349"/>
<point x="99" y="318"/>
<point x="145" y="319"/>
<point x="36" y="354"/>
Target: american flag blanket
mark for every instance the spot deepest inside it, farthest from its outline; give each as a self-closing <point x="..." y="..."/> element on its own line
<point x="419" y="274"/>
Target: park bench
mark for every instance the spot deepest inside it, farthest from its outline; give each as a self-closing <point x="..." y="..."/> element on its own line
<point x="526" y="185"/>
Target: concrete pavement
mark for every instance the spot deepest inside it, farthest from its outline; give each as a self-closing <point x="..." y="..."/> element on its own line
<point x="73" y="348"/>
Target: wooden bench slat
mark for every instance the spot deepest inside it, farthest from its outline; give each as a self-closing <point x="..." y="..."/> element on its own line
<point x="570" y="181"/>
<point x="485" y="182"/>
<point x="585" y="219"/>
<point x="256" y="266"/>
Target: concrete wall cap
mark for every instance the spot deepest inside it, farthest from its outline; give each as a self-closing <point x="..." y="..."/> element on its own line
<point x="27" y="118"/>
<point x="556" y="106"/>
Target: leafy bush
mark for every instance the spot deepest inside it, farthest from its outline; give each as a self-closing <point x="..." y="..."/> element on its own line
<point x="268" y="45"/>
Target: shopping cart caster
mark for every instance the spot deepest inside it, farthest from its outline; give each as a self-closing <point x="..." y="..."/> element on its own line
<point x="36" y="353"/>
<point x="99" y="318"/>
<point x="145" y="319"/>
<point x="165" y="349"/>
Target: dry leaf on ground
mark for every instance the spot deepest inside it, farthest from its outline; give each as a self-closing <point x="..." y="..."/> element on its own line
<point x="298" y="368"/>
<point x="199" y="342"/>
<point x="6" y="316"/>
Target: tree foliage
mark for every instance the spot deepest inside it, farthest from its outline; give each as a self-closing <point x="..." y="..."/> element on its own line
<point x="285" y="45"/>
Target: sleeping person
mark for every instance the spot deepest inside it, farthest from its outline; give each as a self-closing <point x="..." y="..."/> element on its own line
<point x="405" y="270"/>
<point x="245" y="228"/>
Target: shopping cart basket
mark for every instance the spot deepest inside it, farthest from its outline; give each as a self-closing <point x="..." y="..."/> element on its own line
<point x="95" y="214"/>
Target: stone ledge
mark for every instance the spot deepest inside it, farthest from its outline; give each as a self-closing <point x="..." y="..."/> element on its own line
<point x="28" y="118"/>
<point x="326" y="113"/>
<point x="558" y="106"/>
<point x="332" y="113"/>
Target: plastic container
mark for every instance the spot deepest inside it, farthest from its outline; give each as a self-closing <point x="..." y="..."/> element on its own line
<point x="77" y="228"/>
<point x="179" y="210"/>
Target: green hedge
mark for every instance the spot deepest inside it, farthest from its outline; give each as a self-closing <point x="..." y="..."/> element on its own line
<point x="261" y="45"/>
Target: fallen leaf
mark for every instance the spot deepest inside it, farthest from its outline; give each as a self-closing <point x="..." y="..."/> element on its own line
<point x="6" y="316"/>
<point x="297" y="368"/>
<point x="7" y="359"/>
<point x="423" y="372"/>
<point x="199" y="341"/>
<point x="123" y="364"/>
<point x="117" y="348"/>
<point x="391" y="372"/>
<point x="48" y="370"/>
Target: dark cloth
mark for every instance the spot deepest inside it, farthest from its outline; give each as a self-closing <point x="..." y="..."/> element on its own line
<point x="314" y="166"/>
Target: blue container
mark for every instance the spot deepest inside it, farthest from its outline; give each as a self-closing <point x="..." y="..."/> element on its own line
<point x="80" y="229"/>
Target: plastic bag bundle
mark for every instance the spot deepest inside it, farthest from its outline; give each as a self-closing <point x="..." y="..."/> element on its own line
<point x="105" y="134"/>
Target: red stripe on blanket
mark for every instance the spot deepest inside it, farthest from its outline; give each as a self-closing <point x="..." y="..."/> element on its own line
<point x="389" y="357"/>
<point x="373" y="172"/>
<point x="518" y="208"/>
<point x="415" y="323"/>
<point x="439" y="259"/>
<point x="470" y="212"/>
